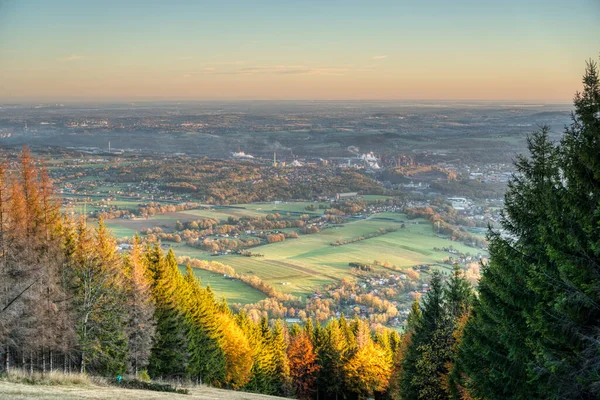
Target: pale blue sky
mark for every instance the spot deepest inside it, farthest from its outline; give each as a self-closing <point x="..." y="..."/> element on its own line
<point x="308" y="49"/>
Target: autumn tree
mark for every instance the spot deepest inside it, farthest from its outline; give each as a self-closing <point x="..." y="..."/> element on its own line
<point x="140" y="310"/>
<point x="303" y="365"/>
<point x="369" y="368"/>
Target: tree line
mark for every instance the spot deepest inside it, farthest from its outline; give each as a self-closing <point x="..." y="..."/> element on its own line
<point x="70" y="301"/>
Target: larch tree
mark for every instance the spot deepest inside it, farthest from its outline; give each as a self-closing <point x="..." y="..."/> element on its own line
<point x="140" y="310"/>
<point x="303" y="365"/>
<point x="98" y="292"/>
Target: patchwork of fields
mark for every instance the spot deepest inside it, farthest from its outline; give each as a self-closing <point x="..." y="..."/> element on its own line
<point x="301" y="266"/>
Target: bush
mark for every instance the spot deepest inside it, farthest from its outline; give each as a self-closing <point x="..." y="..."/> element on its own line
<point x="157" y="387"/>
<point x="143" y="376"/>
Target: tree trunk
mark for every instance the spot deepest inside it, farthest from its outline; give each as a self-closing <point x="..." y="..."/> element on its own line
<point x="82" y="364"/>
<point x="7" y="359"/>
<point x="50" y="360"/>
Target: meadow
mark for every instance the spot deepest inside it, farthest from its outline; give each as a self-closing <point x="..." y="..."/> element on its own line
<point x="101" y="390"/>
<point x="304" y="265"/>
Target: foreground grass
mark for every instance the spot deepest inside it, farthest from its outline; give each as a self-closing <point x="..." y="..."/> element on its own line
<point x="55" y="378"/>
<point x="20" y="385"/>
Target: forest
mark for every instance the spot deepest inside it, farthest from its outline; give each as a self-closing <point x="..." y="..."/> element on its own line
<point x="530" y="330"/>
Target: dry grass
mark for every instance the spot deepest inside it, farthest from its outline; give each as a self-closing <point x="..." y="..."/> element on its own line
<point x="20" y="385"/>
<point x="54" y="378"/>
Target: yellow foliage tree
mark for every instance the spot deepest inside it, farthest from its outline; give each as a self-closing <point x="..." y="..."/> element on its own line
<point x="368" y="371"/>
<point x="237" y="352"/>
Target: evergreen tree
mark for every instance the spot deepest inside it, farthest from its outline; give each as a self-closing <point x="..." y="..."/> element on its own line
<point x="282" y="367"/>
<point x="566" y="279"/>
<point x="458" y="294"/>
<point x="169" y="356"/>
<point x="331" y="358"/>
<point x="499" y="332"/>
<point x="207" y="360"/>
<point x="425" y="327"/>
<point x="534" y="329"/>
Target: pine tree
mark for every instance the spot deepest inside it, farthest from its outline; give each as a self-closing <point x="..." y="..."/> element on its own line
<point x="264" y="366"/>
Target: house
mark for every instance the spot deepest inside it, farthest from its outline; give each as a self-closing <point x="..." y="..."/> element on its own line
<point x="348" y="195"/>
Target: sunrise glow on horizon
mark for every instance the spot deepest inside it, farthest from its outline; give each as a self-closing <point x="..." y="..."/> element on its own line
<point x="322" y="50"/>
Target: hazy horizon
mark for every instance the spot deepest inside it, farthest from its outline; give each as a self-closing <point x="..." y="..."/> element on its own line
<point x="270" y="50"/>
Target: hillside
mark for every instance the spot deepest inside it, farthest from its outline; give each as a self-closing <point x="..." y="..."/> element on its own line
<point x="18" y="391"/>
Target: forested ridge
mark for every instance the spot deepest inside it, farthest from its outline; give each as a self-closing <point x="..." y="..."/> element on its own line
<point x="531" y="330"/>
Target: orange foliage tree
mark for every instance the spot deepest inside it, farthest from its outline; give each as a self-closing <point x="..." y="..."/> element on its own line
<point x="303" y="365"/>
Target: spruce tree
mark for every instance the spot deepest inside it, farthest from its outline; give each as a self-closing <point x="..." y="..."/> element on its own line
<point x="169" y="356"/>
<point x="282" y="367"/>
<point x="567" y="280"/>
<point x="458" y="294"/>
<point x="207" y="360"/>
<point x="499" y="342"/>
<point x="332" y="352"/>
<point x="431" y="319"/>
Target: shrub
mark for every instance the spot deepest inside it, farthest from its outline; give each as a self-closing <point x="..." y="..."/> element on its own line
<point x="155" y="386"/>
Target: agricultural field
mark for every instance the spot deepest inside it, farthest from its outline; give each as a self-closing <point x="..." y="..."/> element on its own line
<point x="233" y="291"/>
<point x="304" y="265"/>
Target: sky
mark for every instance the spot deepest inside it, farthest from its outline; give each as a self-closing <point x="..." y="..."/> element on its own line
<point x="60" y="50"/>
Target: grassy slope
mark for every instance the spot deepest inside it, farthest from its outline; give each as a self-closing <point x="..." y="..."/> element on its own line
<point x="232" y="291"/>
<point x="17" y="391"/>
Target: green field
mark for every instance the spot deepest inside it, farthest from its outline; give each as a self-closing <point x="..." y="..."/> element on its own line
<point x="232" y="290"/>
<point x="254" y="210"/>
<point x="119" y="230"/>
<point x="304" y="265"/>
